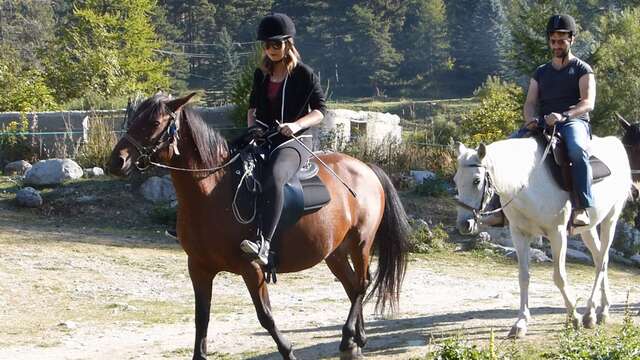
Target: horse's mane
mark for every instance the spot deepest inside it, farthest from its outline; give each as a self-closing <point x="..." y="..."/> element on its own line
<point x="210" y="144"/>
<point x="631" y="136"/>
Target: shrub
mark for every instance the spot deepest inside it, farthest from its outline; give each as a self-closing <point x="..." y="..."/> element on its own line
<point x="14" y="144"/>
<point x="435" y="187"/>
<point x="164" y="214"/>
<point x="101" y="141"/>
<point x="424" y="240"/>
<point x="499" y="113"/>
<point x="241" y="89"/>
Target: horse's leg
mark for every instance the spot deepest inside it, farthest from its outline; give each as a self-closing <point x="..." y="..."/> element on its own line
<point x="591" y="240"/>
<point x="202" y="281"/>
<point x="254" y="279"/>
<point x="353" y="336"/>
<point x="521" y="243"/>
<point x="559" y="251"/>
<point x="607" y="231"/>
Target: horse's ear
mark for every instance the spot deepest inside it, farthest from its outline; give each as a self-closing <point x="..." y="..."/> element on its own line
<point x="482" y="151"/>
<point x="175" y="104"/>
<point x="460" y="148"/>
<point x="624" y="123"/>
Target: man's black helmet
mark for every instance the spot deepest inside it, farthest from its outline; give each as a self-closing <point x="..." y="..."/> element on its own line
<point x="561" y="23"/>
<point x="276" y="26"/>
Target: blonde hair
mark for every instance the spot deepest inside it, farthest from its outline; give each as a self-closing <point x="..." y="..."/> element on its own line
<point x="291" y="58"/>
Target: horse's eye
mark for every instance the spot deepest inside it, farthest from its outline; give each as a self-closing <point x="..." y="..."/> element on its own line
<point x="476" y="181"/>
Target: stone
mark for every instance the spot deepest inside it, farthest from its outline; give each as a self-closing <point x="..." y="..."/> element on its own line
<point x="635" y="259"/>
<point x="52" y="172"/>
<point x="498" y="235"/>
<point x="29" y="197"/>
<point x="93" y="172"/>
<point x="158" y="189"/>
<point x="421" y="175"/>
<point x="578" y="256"/>
<point x="19" y="167"/>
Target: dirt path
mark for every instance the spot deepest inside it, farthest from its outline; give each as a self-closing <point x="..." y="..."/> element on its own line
<point x="71" y="294"/>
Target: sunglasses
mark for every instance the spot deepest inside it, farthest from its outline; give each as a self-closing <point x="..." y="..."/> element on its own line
<point x="274" y="44"/>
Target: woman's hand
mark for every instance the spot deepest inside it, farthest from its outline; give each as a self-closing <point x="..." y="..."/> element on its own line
<point x="289" y="129"/>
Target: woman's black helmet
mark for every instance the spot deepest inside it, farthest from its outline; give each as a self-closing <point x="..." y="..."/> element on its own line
<point x="276" y="26"/>
<point x="561" y="23"/>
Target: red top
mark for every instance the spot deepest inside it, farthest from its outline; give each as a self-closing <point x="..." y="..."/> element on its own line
<point x="272" y="90"/>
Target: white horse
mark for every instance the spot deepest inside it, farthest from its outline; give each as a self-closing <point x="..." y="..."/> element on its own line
<point x="536" y="206"/>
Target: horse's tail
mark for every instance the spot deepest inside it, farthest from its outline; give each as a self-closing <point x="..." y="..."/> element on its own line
<point x="392" y="239"/>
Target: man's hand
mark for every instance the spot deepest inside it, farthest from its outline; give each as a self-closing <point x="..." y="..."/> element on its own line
<point x="531" y="124"/>
<point x="289" y="129"/>
<point x="553" y="118"/>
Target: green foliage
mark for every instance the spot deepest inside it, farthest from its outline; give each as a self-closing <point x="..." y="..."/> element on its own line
<point x="617" y="70"/>
<point x="241" y="89"/>
<point x="434" y="187"/>
<point x="107" y="48"/>
<point x="164" y="214"/>
<point x="499" y="113"/>
<point x="101" y="141"/>
<point x="424" y="240"/>
<point x="583" y="345"/>
<point x="23" y="90"/>
<point x="14" y="145"/>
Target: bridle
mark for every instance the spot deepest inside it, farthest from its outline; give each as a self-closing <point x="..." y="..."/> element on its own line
<point x="169" y="137"/>
<point x="488" y="191"/>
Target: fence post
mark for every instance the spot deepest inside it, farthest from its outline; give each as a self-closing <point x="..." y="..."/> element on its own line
<point x="85" y="129"/>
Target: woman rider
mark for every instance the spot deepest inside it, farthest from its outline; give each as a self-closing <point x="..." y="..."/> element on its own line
<point x="286" y="95"/>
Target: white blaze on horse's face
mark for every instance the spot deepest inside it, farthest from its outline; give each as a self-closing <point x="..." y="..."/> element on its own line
<point x="470" y="182"/>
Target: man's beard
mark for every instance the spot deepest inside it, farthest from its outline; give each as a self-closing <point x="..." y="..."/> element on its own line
<point x="562" y="54"/>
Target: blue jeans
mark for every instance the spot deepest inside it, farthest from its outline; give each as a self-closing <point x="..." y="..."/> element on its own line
<point x="576" y="134"/>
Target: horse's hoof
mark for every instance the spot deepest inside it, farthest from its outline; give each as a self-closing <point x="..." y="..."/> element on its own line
<point x="517" y="332"/>
<point x="603" y="318"/>
<point x="588" y="321"/>
<point x="353" y="353"/>
<point x="575" y="322"/>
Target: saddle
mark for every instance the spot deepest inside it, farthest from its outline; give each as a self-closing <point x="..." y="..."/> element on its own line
<point x="304" y="193"/>
<point x="560" y="166"/>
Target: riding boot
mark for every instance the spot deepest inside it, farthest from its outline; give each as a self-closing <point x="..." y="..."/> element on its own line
<point x="257" y="249"/>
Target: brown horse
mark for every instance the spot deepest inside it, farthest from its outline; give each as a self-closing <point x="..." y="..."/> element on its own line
<point x="171" y="134"/>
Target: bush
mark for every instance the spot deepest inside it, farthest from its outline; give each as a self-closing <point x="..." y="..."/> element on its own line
<point x="499" y="114"/>
<point x="241" y="89"/>
<point x="424" y="240"/>
<point x="14" y="144"/>
<point x="435" y="187"/>
<point x="164" y="215"/>
<point x="101" y="141"/>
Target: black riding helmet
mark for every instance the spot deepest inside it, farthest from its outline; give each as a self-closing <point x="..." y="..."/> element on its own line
<point x="276" y="26"/>
<point x="561" y="23"/>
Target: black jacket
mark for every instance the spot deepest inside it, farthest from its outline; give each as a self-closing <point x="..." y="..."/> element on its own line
<point x="303" y="94"/>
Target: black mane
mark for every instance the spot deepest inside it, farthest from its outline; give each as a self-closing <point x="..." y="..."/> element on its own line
<point x="210" y="145"/>
<point x="631" y="135"/>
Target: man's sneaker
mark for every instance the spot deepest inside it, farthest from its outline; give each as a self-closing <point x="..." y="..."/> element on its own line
<point x="172" y="233"/>
<point x="581" y="217"/>
<point x="260" y="253"/>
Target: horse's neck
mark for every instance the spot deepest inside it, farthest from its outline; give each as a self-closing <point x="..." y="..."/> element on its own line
<point x="512" y="165"/>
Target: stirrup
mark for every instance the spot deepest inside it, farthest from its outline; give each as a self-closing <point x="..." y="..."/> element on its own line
<point x="259" y="252"/>
<point x="581" y="219"/>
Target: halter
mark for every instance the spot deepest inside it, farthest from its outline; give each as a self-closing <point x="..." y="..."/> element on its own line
<point x="169" y="138"/>
<point x="487" y="193"/>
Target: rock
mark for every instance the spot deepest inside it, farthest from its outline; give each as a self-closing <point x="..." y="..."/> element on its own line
<point x="497" y="235"/>
<point x="93" y="172"/>
<point x="158" y="189"/>
<point x="421" y="175"/>
<point x="627" y="238"/>
<point x="19" y="167"/>
<point x="635" y="259"/>
<point x="579" y="256"/>
<point x="577" y="244"/>
<point x="29" y="197"/>
<point x="538" y="256"/>
<point x="87" y="199"/>
<point x="52" y="172"/>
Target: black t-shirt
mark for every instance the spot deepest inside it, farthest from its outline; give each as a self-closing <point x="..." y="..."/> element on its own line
<point x="558" y="90"/>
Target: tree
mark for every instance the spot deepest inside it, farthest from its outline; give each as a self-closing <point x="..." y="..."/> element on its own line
<point x="617" y="70"/>
<point x="108" y="49"/>
<point x="424" y="41"/>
